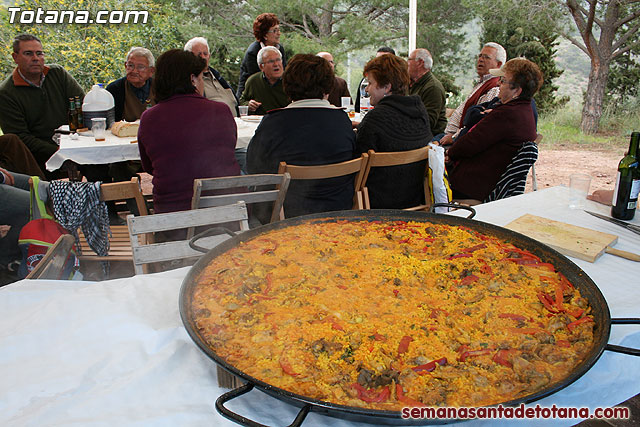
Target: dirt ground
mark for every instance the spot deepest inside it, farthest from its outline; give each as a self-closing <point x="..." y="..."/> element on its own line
<point x="555" y="166"/>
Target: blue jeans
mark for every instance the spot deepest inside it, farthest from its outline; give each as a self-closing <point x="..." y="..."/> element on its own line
<point x="14" y="211"/>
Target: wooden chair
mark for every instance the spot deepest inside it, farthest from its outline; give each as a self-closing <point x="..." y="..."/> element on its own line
<point x="396" y="158"/>
<point x="257" y="192"/>
<point x="120" y="245"/>
<point x="52" y="264"/>
<point x="146" y="253"/>
<point x="355" y="166"/>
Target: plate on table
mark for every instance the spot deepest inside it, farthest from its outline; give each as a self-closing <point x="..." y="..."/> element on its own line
<point x="251" y="118"/>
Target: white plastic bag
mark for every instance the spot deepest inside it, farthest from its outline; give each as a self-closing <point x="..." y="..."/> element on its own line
<point x="440" y="189"/>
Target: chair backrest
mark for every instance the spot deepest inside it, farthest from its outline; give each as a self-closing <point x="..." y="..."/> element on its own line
<point x="256" y="191"/>
<point x="124" y="190"/>
<point x="144" y="253"/>
<point x="333" y="170"/>
<point x="396" y="158"/>
<point x="51" y="266"/>
<point x="514" y="178"/>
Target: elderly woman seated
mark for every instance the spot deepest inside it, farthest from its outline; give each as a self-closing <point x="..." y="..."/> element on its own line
<point x="397" y="123"/>
<point x="308" y="131"/>
<point x="478" y="158"/>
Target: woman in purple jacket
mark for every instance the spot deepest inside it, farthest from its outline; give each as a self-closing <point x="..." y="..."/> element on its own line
<point x="184" y="136"/>
<point x="479" y="157"/>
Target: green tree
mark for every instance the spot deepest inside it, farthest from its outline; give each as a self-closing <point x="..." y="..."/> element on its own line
<point x="523" y="34"/>
<point x="94" y="53"/>
<point x="623" y="89"/>
<point x="608" y="29"/>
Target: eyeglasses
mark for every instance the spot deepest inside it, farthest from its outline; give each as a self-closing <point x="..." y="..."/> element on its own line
<point x="129" y="66"/>
<point x="485" y="56"/>
<point x="412" y="59"/>
<point x="273" y="61"/>
<point x="37" y="53"/>
<point x="274" y="30"/>
<point x="503" y="80"/>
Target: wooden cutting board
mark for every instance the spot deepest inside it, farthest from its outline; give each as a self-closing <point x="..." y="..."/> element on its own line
<point x="568" y="239"/>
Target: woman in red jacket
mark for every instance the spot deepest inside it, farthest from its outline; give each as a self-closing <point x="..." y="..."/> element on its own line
<point x="479" y="157"/>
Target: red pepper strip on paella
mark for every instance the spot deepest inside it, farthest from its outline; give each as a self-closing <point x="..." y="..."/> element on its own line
<point x="429" y="367"/>
<point x="404" y="344"/>
<point x="572" y="325"/>
<point x="473" y="353"/>
<point x="502" y="357"/>
<point x="406" y="400"/>
<point x="370" y="395"/>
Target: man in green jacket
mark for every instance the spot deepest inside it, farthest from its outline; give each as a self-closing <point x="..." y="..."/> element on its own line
<point x="34" y="99"/>
<point x="428" y="88"/>
<point x="263" y="91"/>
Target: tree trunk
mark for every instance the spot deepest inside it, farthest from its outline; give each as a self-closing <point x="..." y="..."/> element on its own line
<point x="592" y="110"/>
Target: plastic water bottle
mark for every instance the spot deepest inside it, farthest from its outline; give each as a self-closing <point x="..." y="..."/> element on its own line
<point x="364" y="98"/>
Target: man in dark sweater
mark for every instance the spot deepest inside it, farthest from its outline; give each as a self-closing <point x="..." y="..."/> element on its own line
<point x="263" y="91"/>
<point x="428" y="88"/>
<point x="34" y="99"/>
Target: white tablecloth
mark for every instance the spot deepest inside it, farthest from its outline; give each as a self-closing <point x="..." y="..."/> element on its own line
<point x="116" y="352"/>
<point x="86" y="151"/>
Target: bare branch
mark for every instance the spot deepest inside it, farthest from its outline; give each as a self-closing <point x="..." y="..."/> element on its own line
<point x="623" y="21"/>
<point x="576" y="43"/>
<point x="622" y="40"/>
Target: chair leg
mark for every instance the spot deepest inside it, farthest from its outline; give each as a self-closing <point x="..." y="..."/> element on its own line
<point x="534" y="180"/>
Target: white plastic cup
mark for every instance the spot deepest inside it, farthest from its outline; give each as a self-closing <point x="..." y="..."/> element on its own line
<point x="578" y="189"/>
<point x="244" y="110"/>
<point x="99" y="128"/>
<point x="345" y="101"/>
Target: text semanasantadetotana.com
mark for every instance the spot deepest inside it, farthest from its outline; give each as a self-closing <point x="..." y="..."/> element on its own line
<point x="518" y="412"/>
<point x="41" y="16"/>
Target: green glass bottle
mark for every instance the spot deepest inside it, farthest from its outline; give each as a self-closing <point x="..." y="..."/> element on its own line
<point x="79" y="111"/>
<point x="625" y="195"/>
<point x="73" y="116"/>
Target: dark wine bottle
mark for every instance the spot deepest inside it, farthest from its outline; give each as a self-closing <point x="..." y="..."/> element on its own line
<point x="625" y="195"/>
<point x="73" y="116"/>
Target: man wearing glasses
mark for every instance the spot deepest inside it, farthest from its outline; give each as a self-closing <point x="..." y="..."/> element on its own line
<point x="263" y="91"/>
<point x="132" y="93"/>
<point x="486" y="88"/>
<point x="34" y="99"/>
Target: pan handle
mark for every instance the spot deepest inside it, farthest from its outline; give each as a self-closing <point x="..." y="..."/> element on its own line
<point x="209" y="232"/>
<point x="245" y="421"/>
<point x="621" y="349"/>
<point x="454" y="205"/>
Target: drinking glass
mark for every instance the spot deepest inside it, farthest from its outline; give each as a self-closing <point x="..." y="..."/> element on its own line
<point x="99" y="128"/>
<point x="578" y="189"/>
<point x="244" y="110"/>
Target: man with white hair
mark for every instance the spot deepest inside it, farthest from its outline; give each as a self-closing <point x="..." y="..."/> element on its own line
<point x="132" y="93"/>
<point x="340" y="87"/>
<point x="428" y="88"/>
<point x="491" y="56"/>
<point x="263" y="91"/>
<point x="216" y="87"/>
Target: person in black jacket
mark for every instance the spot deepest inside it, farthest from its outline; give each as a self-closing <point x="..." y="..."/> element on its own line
<point x="397" y="123"/>
<point x="266" y="29"/>
<point x="132" y="93"/>
<point x="309" y="131"/>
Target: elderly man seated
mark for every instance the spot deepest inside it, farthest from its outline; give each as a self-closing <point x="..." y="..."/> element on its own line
<point x="216" y="87"/>
<point x="491" y="56"/>
<point x="263" y="91"/>
<point x="34" y="99"/>
<point x="132" y="93"/>
<point x="340" y="88"/>
<point x="428" y="88"/>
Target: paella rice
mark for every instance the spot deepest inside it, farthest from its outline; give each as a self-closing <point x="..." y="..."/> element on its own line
<point x="384" y="315"/>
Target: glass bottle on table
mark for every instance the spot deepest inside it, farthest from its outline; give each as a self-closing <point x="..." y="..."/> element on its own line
<point x="79" y="112"/>
<point x="73" y="116"/>
<point x="625" y="195"/>
<point x="364" y="98"/>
